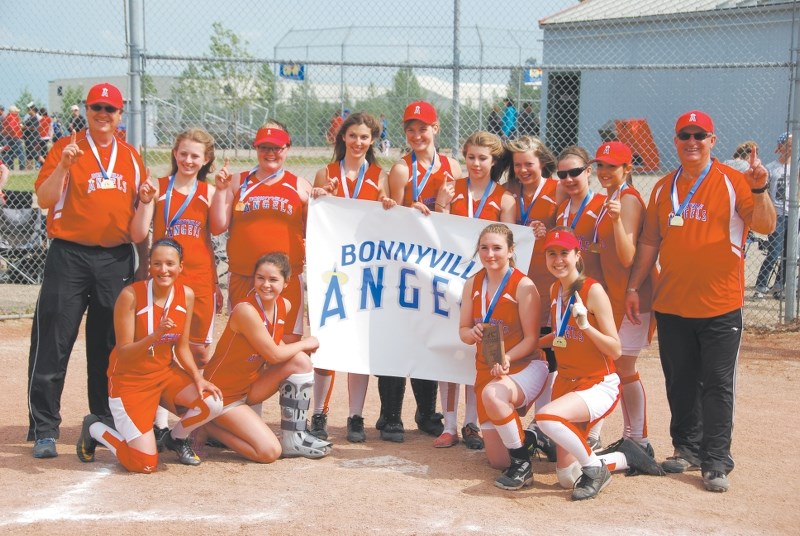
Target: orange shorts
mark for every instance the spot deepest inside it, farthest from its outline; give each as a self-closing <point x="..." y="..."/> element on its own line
<point x="239" y="286"/>
<point x="133" y="399"/>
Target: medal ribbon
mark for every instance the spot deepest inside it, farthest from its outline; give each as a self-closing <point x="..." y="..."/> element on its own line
<point x="563" y="320"/>
<point x="678" y="210"/>
<point x="416" y="187"/>
<point x="487" y="313"/>
<point x="578" y="214"/>
<point x="486" y="192"/>
<point x="525" y="212"/>
<point x="150" y="305"/>
<point x="274" y="316"/>
<point x="244" y="190"/>
<point x="181" y="209"/>
<point x="603" y="211"/>
<point x="111" y="161"/>
<point x="361" y="172"/>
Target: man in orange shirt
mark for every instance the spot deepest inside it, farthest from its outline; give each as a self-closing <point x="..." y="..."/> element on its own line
<point x="89" y="184"/>
<point x="696" y="224"/>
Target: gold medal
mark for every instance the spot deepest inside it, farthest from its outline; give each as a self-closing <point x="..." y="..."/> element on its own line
<point x="560" y="342"/>
<point x="594" y="247"/>
<point x="108" y="184"/>
<point x="676" y="221"/>
<point x="239" y="206"/>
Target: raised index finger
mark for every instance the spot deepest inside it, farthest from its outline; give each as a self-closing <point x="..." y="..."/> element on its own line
<point x="226" y="162"/>
<point x="578" y="299"/>
<point x="72" y="139"/>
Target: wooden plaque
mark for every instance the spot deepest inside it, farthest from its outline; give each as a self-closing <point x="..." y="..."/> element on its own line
<point x="492" y="345"/>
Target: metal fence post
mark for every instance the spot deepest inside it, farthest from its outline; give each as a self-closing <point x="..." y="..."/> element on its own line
<point x="456" y="75"/>
<point x="135" y="117"/>
<point x="790" y="282"/>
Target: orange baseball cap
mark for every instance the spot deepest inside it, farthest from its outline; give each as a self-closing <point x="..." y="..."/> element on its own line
<point x="561" y="238"/>
<point x="272" y="136"/>
<point x="615" y="153"/>
<point x="695" y="118"/>
<point x="105" y="93"/>
<point x="420" y="111"/>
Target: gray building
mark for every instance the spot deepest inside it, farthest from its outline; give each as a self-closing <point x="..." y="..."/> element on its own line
<point x="653" y="60"/>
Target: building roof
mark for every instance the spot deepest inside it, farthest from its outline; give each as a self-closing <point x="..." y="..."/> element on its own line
<point x="594" y="10"/>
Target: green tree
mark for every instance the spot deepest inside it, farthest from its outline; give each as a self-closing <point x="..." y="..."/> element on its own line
<point x="519" y="92"/>
<point x="25" y="97"/>
<point x="70" y="96"/>
<point x="148" y="86"/>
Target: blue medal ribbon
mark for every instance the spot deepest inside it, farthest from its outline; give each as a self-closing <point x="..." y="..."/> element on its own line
<point x="523" y="211"/>
<point x="417" y="188"/>
<point x="487" y="313"/>
<point x="486" y="192"/>
<point x="168" y="200"/>
<point x="361" y="172"/>
<point x="244" y="190"/>
<point x="563" y="320"/>
<point x="578" y="214"/>
<point x="678" y="210"/>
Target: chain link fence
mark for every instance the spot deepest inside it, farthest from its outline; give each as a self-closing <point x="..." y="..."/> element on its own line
<point x="570" y="72"/>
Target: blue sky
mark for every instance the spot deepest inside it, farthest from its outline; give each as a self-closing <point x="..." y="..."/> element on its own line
<point x="382" y="30"/>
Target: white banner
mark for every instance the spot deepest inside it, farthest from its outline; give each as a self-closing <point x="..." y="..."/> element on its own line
<point x="384" y="288"/>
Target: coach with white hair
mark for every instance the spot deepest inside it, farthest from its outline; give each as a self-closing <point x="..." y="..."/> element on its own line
<point x="696" y="225"/>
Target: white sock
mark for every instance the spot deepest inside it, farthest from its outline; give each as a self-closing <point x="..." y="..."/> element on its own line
<point x="96" y="430"/>
<point x="597" y="427"/>
<point x="568" y="475"/>
<point x="471" y="403"/>
<point x="615" y="461"/>
<point x="322" y="388"/>
<point x="634" y="404"/>
<point x="162" y="418"/>
<point x="301" y="378"/>
<point x="182" y="429"/>
<point x="357" y="392"/>
<point x="448" y="394"/>
<point x="510" y="431"/>
<point x="563" y="436"/>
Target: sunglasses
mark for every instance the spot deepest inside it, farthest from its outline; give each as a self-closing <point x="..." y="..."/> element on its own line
<point x="699" y="136"/>
<point x="269" y="149"/>
<point x="574" y="172"/>
<point x="107" y="109"/>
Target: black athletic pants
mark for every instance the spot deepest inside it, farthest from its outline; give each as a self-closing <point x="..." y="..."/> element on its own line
<point x="76" y="277"/>
<point x="699" y="357"/>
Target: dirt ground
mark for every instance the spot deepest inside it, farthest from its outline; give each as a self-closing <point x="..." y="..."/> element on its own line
<point x="410" y="488"/>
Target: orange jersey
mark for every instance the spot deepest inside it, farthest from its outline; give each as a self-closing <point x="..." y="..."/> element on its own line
<point x="91" y="210"/>
<point x="506" y="315"/>
<point x="431" y="189"/>
<point x="544" y="210"/>
<point x="273" y="219"/>
<point x="491" y="209"/>
<point x="146" y="364"/>
<point x="583" y="229"/>
<point x="236" y="364"/>
<point x="702" y="265"/>
<point x="580" y="359"/>
<point x="190" y="230"/>
<point x="615" y="275"/>
<point x="370" y="187"/>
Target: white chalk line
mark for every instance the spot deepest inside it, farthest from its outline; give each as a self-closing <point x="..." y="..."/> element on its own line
<point x="72" y="505"/>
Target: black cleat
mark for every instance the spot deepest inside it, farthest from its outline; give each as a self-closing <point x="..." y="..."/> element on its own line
<point x="592" y="481"/>
<point x="430" y="424"/>
<point x="86" y="443"/>
<point x="183" y="448"/>
<point x="160" y="433"/>
<point x="518" y="475"/>
<point x="355" y="429"/>
<point x="319" y="426"/>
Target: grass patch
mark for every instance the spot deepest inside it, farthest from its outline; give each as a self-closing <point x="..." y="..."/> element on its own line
<point x="22" y="180"/>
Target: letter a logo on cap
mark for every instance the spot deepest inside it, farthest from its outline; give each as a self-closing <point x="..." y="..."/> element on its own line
<point x="693" y="118"/>
<point x="607" y="150"/>
<point x="416" y="110"/>
<point x="105" y="92"/>
<point x="269" y="132"/>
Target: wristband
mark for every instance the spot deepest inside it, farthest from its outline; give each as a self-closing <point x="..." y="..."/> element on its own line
<point x="760" y="190"/>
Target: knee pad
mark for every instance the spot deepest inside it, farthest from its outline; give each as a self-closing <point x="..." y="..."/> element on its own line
<point x="137" y="461"/>
<point x="568" y="475"/>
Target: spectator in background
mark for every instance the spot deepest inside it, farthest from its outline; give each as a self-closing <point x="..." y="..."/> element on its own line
<point x="333" y="128"/>
<point x="12" y="132"/>
<point x="3" y="148"/>
<point x="77" y="121"/>
<point x="384" y="143"/>
<point x="3" y="181"/>
<point x="509" y="119"/>
<point x="45" y="134"/>
<point x="494" y="122"/>
<point x="778" y="186"/>
<point x="528" y="122"/>
<point x="30" y="134"/>
<point x="58" y="128"/>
